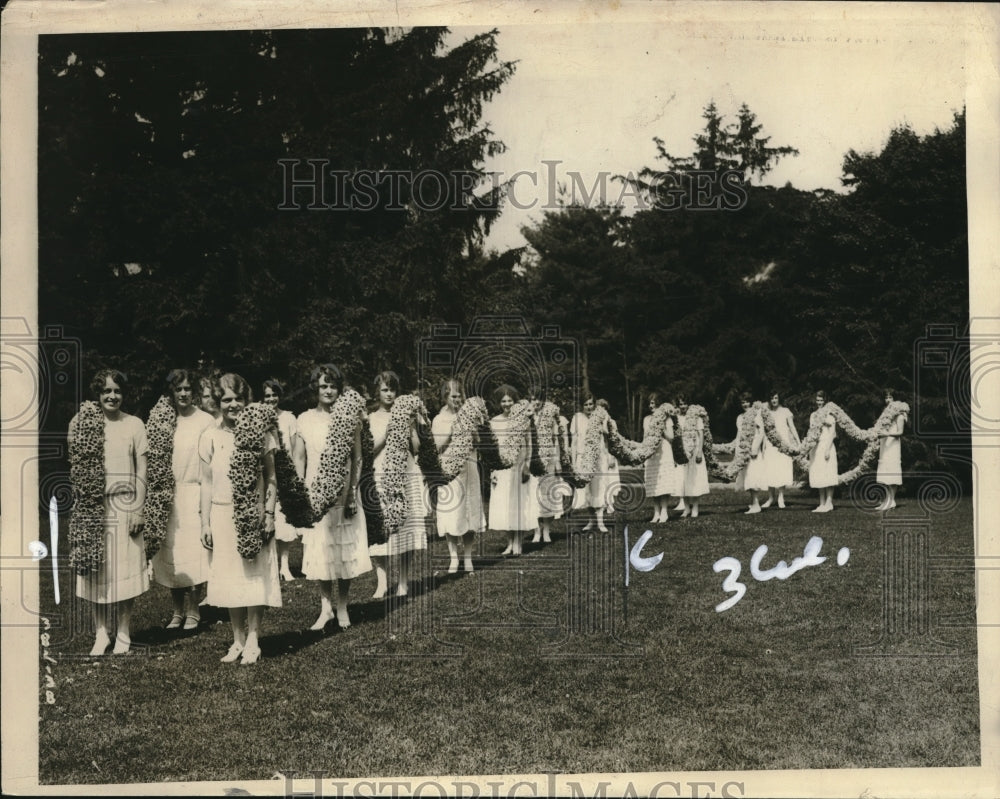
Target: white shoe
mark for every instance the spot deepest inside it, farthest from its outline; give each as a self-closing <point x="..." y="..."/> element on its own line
<point x="321" y="621"/>
<point x="453" y="566"/>
<point x="753" y="509"/>
<point x="767" y="504"/>
<point x="101" y="643"/>
<point x="781" y="502"/>
<point x="233" y="654"/>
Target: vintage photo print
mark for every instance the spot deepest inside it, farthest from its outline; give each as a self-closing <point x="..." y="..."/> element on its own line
<point x="500" y="400"/>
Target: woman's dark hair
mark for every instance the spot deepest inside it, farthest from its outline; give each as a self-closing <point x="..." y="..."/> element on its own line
<point x="390" y="378"/>
<point x="505" y="390"/>
<point x="603" y="403"/>
<point x="538" y="393"/>
<point x="177" y="376"/>
<point x="97" y="384"/>
<point x="333" y="375"/>
<point x="231" y="382"/>
<point x="446" y="387"/>
<point x="821" y="393"/>
<point x="654" y="397"/>
<point x="586" y="397"/>
<point x="746" y="396"/>
<point x="276" y="386"/>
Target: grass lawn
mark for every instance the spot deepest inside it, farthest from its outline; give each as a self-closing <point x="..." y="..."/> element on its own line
<point x="545" y="664"/>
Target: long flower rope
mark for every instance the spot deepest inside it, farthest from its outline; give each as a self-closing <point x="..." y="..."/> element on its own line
<point x="160" y="430"/>
<point x="371" y="498"/>
<point x="547" y="425"/>
<point x="395" y="505"/>
<point x="86" y="471"/>
<point x="471" y="416"/>
<point x="244" y="471"/>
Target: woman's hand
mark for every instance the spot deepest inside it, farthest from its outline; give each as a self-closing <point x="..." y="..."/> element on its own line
<point x="525" y="474"/>
<point x="698" y="458"/>
<point x="135" y="524"/>
<point x="206" y="536"/>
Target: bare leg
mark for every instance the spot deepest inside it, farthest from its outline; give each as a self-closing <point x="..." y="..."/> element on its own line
<point x="283" y="569"/>
<point x="781" y="497"/>
<point x="343" y="588"/>
<point x="177" y="597"/>
<point x="101" y="639"/>
<point x="467" y="541"/>
<point x="600" y="520"/>
<point x="325" y="605"/>
<point x="516" y="540"/>
<point x="591" y="513"/>
<point x="453" y="551"/>
<point x="770" y="499"/>
<point x="693" y="504"/>
<point x="892" y="496"/>
<point x="755" y="506"/>
<point x="123" y="640"/>
<point x="547" y="531"/>
<point x="251" y="648"/>
<point x="379" y="562"/>
<point x="404" y="574"/>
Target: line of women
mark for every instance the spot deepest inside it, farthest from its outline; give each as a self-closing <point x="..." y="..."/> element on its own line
<point x="167" y="487"/>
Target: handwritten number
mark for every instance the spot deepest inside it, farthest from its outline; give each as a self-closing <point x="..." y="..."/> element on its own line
<point x="731" y="583"/>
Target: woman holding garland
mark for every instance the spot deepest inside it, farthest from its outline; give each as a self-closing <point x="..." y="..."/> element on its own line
<point x="115" y="549"/>
<point x="755" y="472"/>
<point x="247" y="586"/>
<point x="460" y="503"/>
<point x="510" y="498"/>
<point x="548" y="490"/>
<point x="777" y="464"/>
<point x="603" y="491"/>
<point x="182" y="563"/>
<point x="823" y="459"/>
<point x="412" y="534"/>
<point x="291" y="441"/>
<point x="659" y="470"/>
<point x="695" y="470"/>
<point x="890" y="467"/>
<point x="578" y="435"/>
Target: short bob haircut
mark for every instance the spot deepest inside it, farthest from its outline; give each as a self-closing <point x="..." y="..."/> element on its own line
<point x="505" y="390"/>
<point x="654" y="397"/>
<point x="276" y="386"/>
<point x="177" y="376"/>
<point x="99" y="380"/>
<point x="821" y="393"/>
<point x="446" y="389"/>
<point x="747" y="397"/>
<point x="333" y="375"/>
<point x="587" y="397"/>
<point x="602" y="403"/>
<point x="390" y="378"/>
<point x="231" y="382"/>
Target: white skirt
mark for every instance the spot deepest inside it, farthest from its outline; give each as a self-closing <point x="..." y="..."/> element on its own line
<point x="336" y="548"/>
<point x="122" y="575"/>
<point x="182" y="561"/>
<point x="235" y="581"/>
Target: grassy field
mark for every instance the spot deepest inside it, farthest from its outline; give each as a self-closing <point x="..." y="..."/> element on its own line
<point x="546" y="664"/>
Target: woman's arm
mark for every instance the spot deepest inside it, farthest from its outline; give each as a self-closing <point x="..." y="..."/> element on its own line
<point x="205" y="503"/>
<point x="270" y="491"/>
<point x="299" y="454"/>
<point x="351" y="489"/>
<point x="831" y="423"/>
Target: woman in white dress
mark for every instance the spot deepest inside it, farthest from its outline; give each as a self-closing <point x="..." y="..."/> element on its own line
<point x="460" y="503"/>
<point x="578" y="435"/>
<point x="659" y="470"/>
<point x="606" y="484"/>
<point x="547" y="491"/>
<point x="120" y="575"/>
<point x="182" y="563"/>
<point x="336" y="547"/>
<point x="755" y="472"/>
<point x="247" y="586"/>
<point x="890" y="467"/>
<point x="777" y="465"/>
<point x="510" y="498"/>
<point x="823" y="460"/>
<point x="291" y="441"/>
<point x="412" y="534"/>
<point x="695" y="470"/>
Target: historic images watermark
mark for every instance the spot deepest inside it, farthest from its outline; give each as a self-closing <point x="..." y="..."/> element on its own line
<point x="311" y="184"/>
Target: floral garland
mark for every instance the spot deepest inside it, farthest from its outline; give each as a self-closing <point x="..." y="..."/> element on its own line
<point x="371" y="500"/>
<point x="429" y="461"/>
<point x="331" y="476"/>
<point x="689" y="434"/>
<point x="535" y="463"/>
<point x="244" y="470"/>
<point x="489" y="448"/>
<point x="882" y="425"/>
<point x="471" y="416"/>
<point x="633" y="453"/>
<point x="292" y="492"/>
<point x="743" y="444"/>
<point x="394" y="463"/>
<point x="86" y="471"/>
<point x="547" y="424"/>
<point x="160" y="429"/>
<point x="519" y="423"/>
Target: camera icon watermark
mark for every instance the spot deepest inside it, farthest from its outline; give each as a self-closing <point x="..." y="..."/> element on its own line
<point x="956" y="380"/>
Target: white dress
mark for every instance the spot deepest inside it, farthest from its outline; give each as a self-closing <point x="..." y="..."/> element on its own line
<point x="822" y="472"/>
<point x="578" y="435"/>
<point x="510" y="499"/>
<point x="606" y="484"/>
<point x="336" y="547"/>
<point x="660" y="471"/>
<point x="412" y="533"/>
<point x="777" y="465"/>
<point x="755" y="477"/>
<point x="695" y="474"/>
<point x="122" y="575"/>
<point x="890" y="466"/>
<point x="459" y="503"/>
<point x="289" y="427"/>
<point x="547" y="491"/>
<point x="182" y="561"/>
<point x="235" y="581"/>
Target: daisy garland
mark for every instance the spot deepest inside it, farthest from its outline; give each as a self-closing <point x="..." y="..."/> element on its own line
<point x="471" y="416"/>
<point x="370" y="497"/>
<point x="394" y="463"/>
<point x="332" y="475"/>
<point x="86" y="471"/>
<point x="547" y="425"/>
<point x="514" y="440"/>
<point x="160" y="429"/>
<point x="633" y="453"/>
<point x="244" y="472"/>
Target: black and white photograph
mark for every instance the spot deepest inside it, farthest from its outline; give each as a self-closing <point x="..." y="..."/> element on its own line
<point x="588" y="400"/>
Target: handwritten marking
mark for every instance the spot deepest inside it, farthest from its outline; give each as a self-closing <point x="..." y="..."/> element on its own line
<point x="780" y="571"/>
<point x="54" y="540"/>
